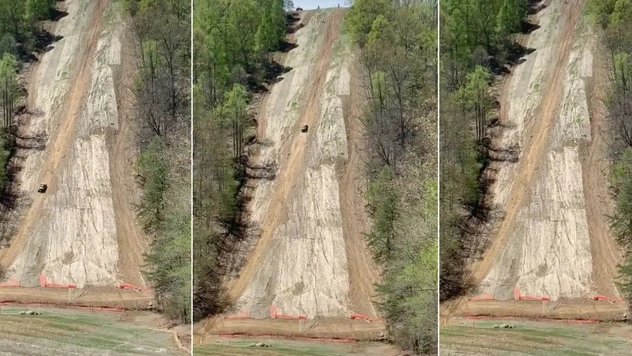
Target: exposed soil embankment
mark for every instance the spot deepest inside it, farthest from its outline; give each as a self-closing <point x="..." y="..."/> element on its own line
<point x="550" y="239"/>
<point x="82" y="231"/>
<point x="310" y="260"/>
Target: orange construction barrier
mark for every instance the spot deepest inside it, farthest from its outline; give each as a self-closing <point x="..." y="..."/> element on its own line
<point x="527" y="297"/>
<point x="241" y="315"/>
<point x="356" y="316"/>
<point x="57" y="285"/>
<point x="133" y="287"/>
<point x="606" y="298"/>
<point x="291" y="317"/>
<point x="484" y="296"/>
<point x="275" y="315"/>
<point x="44" y="283"/>
<point x="10" y="283"/>
<point x="517" y="296"/>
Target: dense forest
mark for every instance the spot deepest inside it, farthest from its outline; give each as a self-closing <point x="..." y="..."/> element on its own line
<point x="398" y="43"/>
<point x="233" y="43"/>
<point x="477" y="43"/>
<point x="613" y="18"/>
<point x="163" y="112"/>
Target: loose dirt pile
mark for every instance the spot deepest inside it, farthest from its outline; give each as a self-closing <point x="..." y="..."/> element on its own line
<point x="68" y="236"/>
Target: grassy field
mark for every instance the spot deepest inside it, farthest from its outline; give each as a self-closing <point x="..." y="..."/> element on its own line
<point x="241" y="347"/>
<point x="75" y="332"/>
<point x="535" y="338"/>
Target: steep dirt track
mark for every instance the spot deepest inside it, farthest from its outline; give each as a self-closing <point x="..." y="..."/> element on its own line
<point x="552" y="240"/>
<point x="61" y="138"/>
<point x="294" y="150"/>
<point x="531" y="158"/>
<point x="310" y="259"/>
<point x="130" y="236"/>
<point x="82" y="231"/>
<point x="595" y="177"/>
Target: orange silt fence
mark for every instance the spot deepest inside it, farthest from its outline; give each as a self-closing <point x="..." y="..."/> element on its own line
<point x="274" y="314"/>
<point x="291" y="317"/>
<point x="528" y="297"/>
<point x="357" y="316"/>
<point x="10" y="283"/>
<point x="44" y="283"/>
<point x="608" y="299"/>
<point x="133" y="287"/>
<point x="484" y="296"/>
<point x="241" y="315"/>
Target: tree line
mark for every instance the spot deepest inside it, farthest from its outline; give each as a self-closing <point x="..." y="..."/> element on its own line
<point x="477" y="43"/>
<point x="162" y="108"/>
<point x="233" y="46"/>
<point x="398" y="47"/>
<point x="614" y="21"/>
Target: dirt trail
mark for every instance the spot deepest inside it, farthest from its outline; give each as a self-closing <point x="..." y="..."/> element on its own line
<point x="61" y="139"/>
<point x="552" y="240"/>
<point x="310" y="259"/>
<point x="294" y="150"/>
<point x="82" y="231"/>
<point x="131" y="239"/>
<point x="531" y="158"/>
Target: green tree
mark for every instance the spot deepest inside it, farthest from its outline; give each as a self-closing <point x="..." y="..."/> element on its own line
<point x="8" y="86"/>
<point x="361" y="16"/>
<point x="153" y="169"/>
<point x="35" y="10"/>
<point x="474" y="97"/>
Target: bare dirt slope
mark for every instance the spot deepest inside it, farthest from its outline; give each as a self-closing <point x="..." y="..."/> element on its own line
<point x="310" y="259"/>
<point x="552" y="239"/>
<point x="81" y="231"/>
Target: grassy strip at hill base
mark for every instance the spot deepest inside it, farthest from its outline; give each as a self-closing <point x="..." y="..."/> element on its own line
<point x="230" y="347"/>
<point x="534" y="338"/>
<point x="79" y="333"/>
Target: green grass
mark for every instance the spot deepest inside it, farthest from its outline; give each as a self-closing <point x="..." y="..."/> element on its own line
<point x="536" y="338"/>
<point x="80" y="332"/>
<point x="233" y="347"/>
<point x="222" y="350"/>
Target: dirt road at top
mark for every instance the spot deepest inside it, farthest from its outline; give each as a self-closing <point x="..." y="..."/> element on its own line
<point x="309" y="259"/>
<point x="552" y="238"/>
<point x="82" y="230"/>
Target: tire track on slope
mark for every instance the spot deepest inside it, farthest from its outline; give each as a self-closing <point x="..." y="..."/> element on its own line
<point x="536" y="148"/>
<point x="63" y="137"/>
<point x="294" y="166"/>
<point x="595" y="167"/>
<point x="132" y="241"/>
